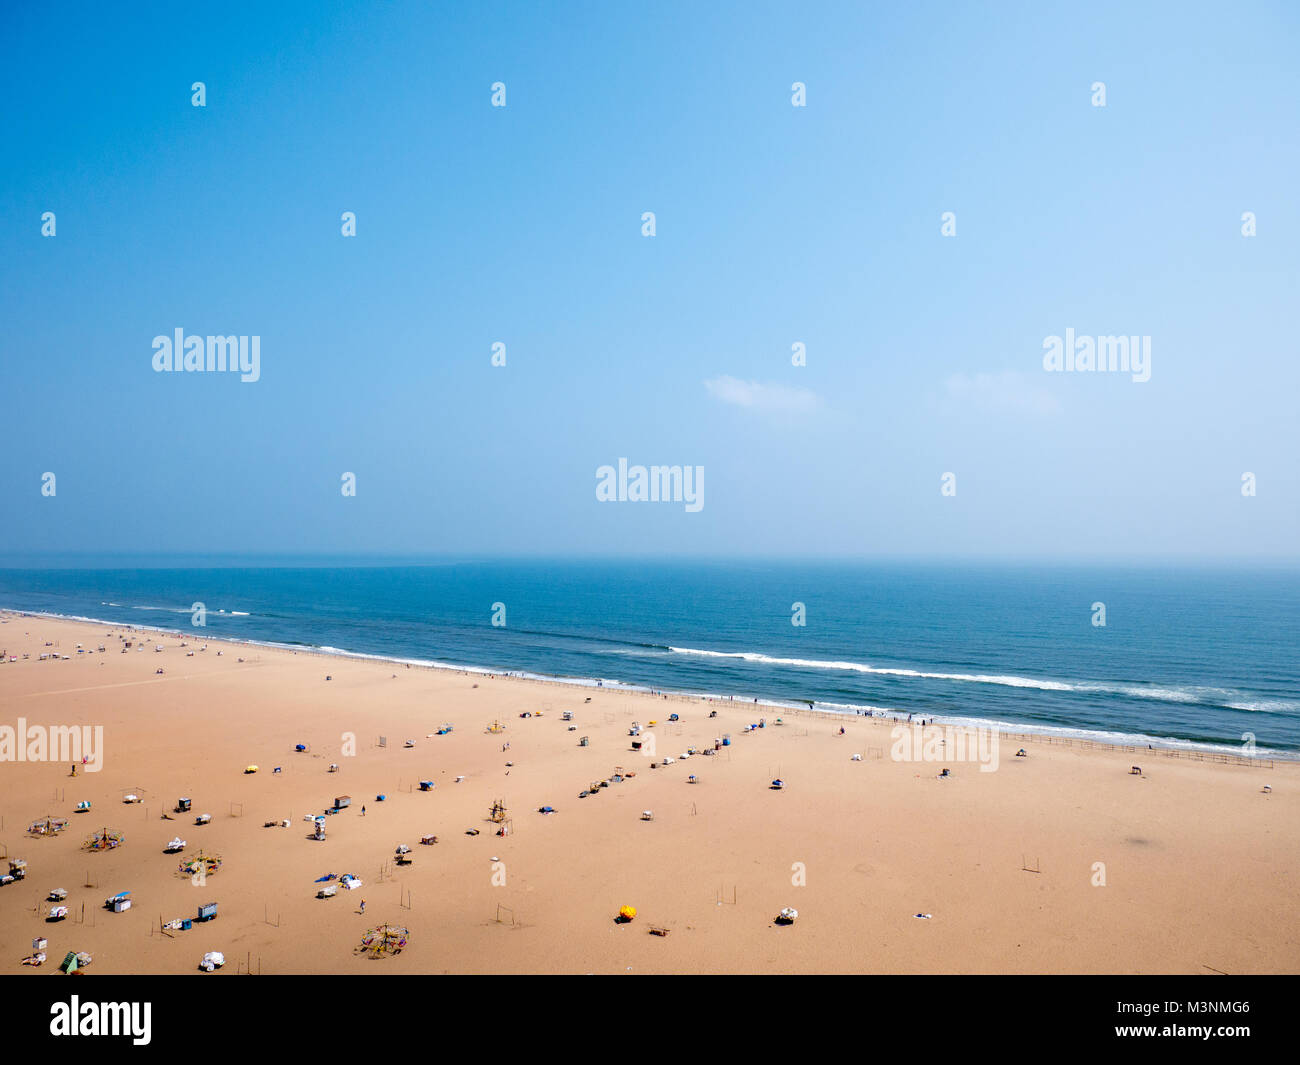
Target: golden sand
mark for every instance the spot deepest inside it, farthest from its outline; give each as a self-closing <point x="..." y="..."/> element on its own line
<point x="1201" y="866"/>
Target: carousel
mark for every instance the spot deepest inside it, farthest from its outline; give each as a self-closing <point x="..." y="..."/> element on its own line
<point x="387" y="939"/>
<point x="47" y="826"/>
<point x="201" y="864"/>
<point x="106" y="839"/>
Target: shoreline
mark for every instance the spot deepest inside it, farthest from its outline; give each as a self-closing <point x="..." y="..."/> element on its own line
<point x="1082" y="738"/>
<point x="1001" y="851"/>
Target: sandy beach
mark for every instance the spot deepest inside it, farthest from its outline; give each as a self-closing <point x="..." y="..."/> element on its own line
<point x="1201" y="864"/>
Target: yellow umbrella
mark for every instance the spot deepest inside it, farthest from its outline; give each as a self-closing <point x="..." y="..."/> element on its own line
<point x="627" y="912"/>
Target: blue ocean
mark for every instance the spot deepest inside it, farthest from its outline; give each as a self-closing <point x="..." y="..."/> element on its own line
<point x="1198" y="657"/>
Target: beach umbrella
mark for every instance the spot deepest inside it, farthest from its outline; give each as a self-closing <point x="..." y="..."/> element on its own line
<point x="627" y="912"/>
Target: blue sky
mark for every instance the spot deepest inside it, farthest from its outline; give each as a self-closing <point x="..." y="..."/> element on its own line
<point x="774" y="225"/>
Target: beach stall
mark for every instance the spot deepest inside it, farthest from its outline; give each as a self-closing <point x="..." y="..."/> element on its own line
<point x="567" y="715"/>
<point x="119" y="903"/>
<point x="203" y="819"/>
<point x="328" y="891"/>
<point x="342" y="802"/>
<point x="57" y="895"/>
<point x="182" y="806"/>
<point x="18" y="868"/>
<point x="57" y="913"/>
<point x="427" y="785"/>
<point x="207" y="912"/>
<point x="83" y="806"/>
<point x="428" y="840"/>
<point x="74" y="960"/>
<point x="174" y="846"/>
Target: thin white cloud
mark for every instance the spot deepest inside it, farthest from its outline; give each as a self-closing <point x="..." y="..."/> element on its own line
<point x="762" y="398"/>
<point x="1007" y="392"/>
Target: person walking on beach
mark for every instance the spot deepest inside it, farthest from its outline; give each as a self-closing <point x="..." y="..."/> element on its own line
<point x="363" y="905"/>
<point x="363" y="811"/>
